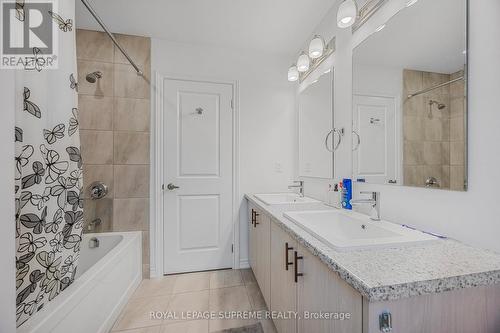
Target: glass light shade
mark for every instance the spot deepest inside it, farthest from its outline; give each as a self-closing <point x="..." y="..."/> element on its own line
<point x="347" y="13"/>
<point x="293" y="73"/>
<point x="303" y="63"/>
<point x="316" y="47"/>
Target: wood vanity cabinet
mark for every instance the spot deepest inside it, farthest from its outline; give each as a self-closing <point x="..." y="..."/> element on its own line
<point x="260" y="253"/>
<point x="320" y="290"/>
<point x="316" y="289"/>
<point x="283" y="286"/>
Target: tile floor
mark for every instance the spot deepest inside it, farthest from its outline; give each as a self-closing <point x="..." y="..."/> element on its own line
<point x="226" y="290"/>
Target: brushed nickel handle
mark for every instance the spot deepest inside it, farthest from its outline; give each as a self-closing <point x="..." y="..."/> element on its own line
<point x="287" y="263"/>
<point x="296" y="268"/>
<point x="172" y="187"/>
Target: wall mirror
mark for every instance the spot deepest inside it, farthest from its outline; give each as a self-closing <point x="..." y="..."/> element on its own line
<point x="317" y="139"/>
<point x="410" y="98"/>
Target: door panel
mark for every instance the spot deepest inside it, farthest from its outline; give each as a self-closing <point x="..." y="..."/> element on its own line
<point x="375" y="157"/>
<point x="198" y="228"/>
<point x="195" y="235"/>
<point x="199" y="134"/>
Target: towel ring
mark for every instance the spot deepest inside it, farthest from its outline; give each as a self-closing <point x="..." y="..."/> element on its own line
<point x="358" y="140"/>
<point x="340" y="133"/>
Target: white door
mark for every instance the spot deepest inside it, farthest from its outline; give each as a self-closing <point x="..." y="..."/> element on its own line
<point x="198" y="134"/>
<point x="374" y="139"/>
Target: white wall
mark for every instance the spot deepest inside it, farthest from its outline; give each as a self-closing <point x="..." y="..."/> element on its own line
<point x="7" y="235"/>
<point x="267" y="111"/>
<point x="472" y="217"/>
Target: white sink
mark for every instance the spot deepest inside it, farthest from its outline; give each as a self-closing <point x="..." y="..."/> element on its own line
<point x="283" y="198"/>
<point x="350" y="230"/>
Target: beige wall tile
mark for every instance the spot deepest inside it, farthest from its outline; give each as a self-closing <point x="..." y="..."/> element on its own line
<point x="433" y="153"/>
<point x="457" y="177"/>
<point x="130" y="214"/>
<point x="145" y="271"/>
<point x="457" y="129"/>
<point x="413" y="175"/>
<point x="413" y="128"/>
<point x="145" y="247"/>
<point x="445" y="147"/>
<point x="457" y="153"/>
<point x="138" y="48"/>
<point x="412" y="81"/>
<point x="435" y="171"/>
<point x="433" y="129"/>
<point x="96" y="112"/>
<point x="131" y="148"/>
<point x="94" y="209"/>
<point x="445" y="177"/>
<point x="103" y="86"/>
<point x="93" y="173"/>
<point x="129" y="84"/>
<point x="131" y="114"/>
<point x="96" y="147"/>
<point x="413" y="153"/>
<point x="457" y="107"/>
<point x="94" y="45"/>
<point x="132" y="181"/>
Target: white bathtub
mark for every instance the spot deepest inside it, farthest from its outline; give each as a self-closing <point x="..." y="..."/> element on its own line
<point x="106" y="278"/>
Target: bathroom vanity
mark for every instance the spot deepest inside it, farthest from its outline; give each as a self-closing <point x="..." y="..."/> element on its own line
<point x="429" y="285"/>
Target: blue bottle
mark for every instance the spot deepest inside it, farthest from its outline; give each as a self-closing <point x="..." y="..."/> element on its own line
<point x="347" y="193"/>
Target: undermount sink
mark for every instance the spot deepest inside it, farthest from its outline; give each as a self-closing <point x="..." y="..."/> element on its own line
<point x="354" y="231"/>
<point x="283" y="198"/>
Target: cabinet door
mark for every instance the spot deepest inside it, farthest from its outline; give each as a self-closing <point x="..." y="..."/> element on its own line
<point x="320" y="290"/>
<point x="283" y="286"/>
<point x="263" y="254"/>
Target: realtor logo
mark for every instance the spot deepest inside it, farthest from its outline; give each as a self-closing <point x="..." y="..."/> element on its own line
<point x="28" y="35"/>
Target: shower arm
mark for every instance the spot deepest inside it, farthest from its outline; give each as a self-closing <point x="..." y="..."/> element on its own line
<point x="432" y="88"/>
<point x="101" y="23"/>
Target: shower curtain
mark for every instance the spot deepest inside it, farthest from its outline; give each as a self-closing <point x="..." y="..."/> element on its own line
<point x="48" y="165"/>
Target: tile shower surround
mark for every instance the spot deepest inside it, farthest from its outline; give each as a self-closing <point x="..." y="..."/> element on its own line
<point x="434" y="143"/>
<point x="115" y="132"/>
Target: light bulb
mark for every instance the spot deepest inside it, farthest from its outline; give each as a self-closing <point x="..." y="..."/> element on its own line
<point x="347" y="13"/>
<point x="303" y="62"/>
<point x="316" y="47"/>
<point x="293" y="73"/>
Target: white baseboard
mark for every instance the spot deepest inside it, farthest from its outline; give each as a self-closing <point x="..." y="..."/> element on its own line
<point x="244" y="263"/>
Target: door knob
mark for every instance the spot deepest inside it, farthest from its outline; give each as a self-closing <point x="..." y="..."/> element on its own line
<point x="172" y="187"/>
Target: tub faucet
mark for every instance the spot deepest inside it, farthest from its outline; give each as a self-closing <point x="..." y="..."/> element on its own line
<point x="374" y="201"/>
<point x="94" y="242"/>
<point x="298" y="184"/>
<point x="93" y="224"/>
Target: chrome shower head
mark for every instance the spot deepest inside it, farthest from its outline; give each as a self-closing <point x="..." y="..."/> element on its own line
<point x="93" y="77"/>
<point x="440" y="106"/>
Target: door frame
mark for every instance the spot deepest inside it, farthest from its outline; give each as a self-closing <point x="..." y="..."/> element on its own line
<point x="156" y="230"/>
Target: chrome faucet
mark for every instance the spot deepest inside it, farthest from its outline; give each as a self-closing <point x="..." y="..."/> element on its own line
<point x="298" y="184"/>
<point x="374" y="202"/>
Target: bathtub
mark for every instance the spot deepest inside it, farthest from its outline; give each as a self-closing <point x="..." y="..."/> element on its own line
<point x="106" y="278"/>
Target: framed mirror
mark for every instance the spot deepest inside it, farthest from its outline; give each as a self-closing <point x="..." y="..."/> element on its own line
<point x="317" y="139"/>
<point x="410" y="98"/>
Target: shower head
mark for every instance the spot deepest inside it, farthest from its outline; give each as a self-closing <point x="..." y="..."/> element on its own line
<point x="440" y="106"/>
<point x="93" y="77"/>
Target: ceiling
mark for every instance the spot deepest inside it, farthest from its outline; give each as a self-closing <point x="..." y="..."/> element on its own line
<point x="272" y="26"/>
<point x="428" y="36"/>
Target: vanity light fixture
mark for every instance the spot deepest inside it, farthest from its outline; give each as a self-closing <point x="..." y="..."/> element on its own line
<point x="411" y="3"/>
<point x="347" y="13"/>
<point x="293" y="73"/>
<point x="303" y="62"/>
<point x="316" y="47"/>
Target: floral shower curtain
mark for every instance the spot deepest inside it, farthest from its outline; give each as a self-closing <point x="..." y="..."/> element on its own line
<point x="48" y="164"/>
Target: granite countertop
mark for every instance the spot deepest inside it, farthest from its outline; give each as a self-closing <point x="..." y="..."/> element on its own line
<point x="387" y="274"/>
